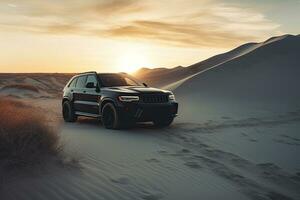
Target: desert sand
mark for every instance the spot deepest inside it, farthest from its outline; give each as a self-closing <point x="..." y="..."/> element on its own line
<point x="236" y="137"/>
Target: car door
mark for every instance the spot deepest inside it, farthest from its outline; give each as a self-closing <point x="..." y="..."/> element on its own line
<point x="78" y="94"/>
<point x="92" y="95"/>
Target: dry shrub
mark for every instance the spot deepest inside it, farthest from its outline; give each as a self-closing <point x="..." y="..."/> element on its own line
<point x="22" y="87"/>
<point x="25" y="137"/>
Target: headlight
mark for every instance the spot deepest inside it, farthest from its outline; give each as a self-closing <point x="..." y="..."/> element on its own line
<point x="129" y="98"/>
<point x="171" y="97"/>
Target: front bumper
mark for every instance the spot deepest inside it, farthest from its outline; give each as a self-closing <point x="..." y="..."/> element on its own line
<point x="142" y="112"/>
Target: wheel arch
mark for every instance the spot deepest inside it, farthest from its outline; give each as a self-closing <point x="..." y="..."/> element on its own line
<point x="64" y="100"/>
<point x="105" y="101"/>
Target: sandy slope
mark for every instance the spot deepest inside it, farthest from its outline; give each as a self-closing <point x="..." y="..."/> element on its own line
<point x="142" y="163"/>
<point x="262" y="82"/>
<point x="230" y="159"/>
<point x="163" y="77"/>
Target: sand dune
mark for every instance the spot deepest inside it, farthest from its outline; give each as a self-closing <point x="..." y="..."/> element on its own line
<point x="260" y="82"/>
<point x="22" y="90"/>
<point x="33" y="85"/>
<point x="162" y="77"/>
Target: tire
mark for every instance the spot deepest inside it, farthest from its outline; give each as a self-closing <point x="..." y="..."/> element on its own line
<point x="163" y="122"/>
<point x="68" y="112"/>
<point x="110" y="117"/>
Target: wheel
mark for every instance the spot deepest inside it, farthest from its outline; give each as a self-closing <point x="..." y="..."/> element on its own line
<point x="110" y="117"/>
<point x="68" y="112"/>
<point x="163" y="122"/>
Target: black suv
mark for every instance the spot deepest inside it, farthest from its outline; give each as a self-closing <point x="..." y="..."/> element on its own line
<point x="117" y="99"/>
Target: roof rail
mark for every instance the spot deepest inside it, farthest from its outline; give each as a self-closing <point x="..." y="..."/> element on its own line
<point x="88" y="72"/>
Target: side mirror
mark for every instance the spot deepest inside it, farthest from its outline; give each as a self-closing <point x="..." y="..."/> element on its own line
<point x="145" y="84"/>
<point x="90" y="85"/>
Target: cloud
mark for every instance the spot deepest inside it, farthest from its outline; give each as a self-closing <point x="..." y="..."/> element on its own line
<point x="117" y="7"/>
<point x="217" y="25"/>
<point x="62" y="28"/>
<point x="73" y="9"/>
<point x="186" y="23"/>
<point x="179" y="34"/>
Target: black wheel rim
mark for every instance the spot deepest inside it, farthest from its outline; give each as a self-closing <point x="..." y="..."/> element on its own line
<point x="109" y="118"/>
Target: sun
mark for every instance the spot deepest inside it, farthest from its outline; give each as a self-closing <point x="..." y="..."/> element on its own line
<point x="131" y="61"/>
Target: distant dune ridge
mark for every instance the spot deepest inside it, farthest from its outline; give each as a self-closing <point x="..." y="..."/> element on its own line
<point x="21" y="87"/>
<point x="162" y="77"/>
<point x="33" y="84"/>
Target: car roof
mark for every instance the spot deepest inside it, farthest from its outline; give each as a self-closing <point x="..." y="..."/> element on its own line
<point x="110" y="73"/>
<point x="93" y="72"/>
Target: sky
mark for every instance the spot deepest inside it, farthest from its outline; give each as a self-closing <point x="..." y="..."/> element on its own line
<point x="124" y="35"/>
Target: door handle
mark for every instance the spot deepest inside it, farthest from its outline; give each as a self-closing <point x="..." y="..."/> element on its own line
<point x="72" y="90"/>
<point x="84" y="91"/>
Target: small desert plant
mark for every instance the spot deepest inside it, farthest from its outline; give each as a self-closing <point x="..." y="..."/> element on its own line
<point x="25" y="137"/>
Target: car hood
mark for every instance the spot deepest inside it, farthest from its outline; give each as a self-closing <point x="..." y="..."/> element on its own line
<point x="136" y="89"/>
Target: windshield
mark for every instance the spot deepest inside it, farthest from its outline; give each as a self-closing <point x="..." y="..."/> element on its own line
<point x="112" y="80"/>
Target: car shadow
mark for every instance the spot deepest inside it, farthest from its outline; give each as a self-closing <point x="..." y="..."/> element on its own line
<point x="134" y="128"/>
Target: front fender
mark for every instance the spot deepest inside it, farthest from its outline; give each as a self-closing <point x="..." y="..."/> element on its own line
<point x="108" y="99"/>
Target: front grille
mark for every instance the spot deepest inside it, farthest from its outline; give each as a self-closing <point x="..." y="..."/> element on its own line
<point x="154" y="98"/>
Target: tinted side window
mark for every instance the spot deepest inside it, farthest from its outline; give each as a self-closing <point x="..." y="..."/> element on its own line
<point x="73" y="83"/>
<point x="92" y="78"/>
<point x="81" y="82"/>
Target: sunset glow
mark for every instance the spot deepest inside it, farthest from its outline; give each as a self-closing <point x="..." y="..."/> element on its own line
<point x="132" y="61"/>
